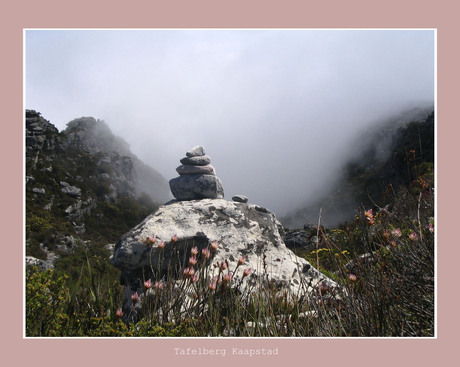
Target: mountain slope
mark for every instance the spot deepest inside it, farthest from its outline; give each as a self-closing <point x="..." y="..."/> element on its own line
<point x="83" y="184"/>
<point x="394" y="155"/>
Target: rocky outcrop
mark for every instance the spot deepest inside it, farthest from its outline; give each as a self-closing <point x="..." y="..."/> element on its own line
<point x="82" y="181"/>
<point x="301" y="238"/>
<point x="128" y="175"/>
<point x="42" y="265"/>
<point x="197" y="177"/>
<point x="243" y="236"/>
<point x="89" y="146"/>
<point x="41" y="135"/>
<point x="93" y="136"/>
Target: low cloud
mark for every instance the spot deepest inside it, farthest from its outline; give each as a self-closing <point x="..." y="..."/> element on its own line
<point x="277" y="110"/>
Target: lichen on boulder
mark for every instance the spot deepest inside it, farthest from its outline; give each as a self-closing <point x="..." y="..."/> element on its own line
<point x="248" y="237"/>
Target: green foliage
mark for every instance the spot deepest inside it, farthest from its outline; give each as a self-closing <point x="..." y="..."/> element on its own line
<point x="149" y="328"/>
<point x="46" y="298"/>
<point x="111" y="220"/>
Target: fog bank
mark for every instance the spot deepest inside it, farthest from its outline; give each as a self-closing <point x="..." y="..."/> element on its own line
<point x="277" y="110"/>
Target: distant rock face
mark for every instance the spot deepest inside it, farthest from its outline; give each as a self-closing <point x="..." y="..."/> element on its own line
<point x="128" y="174"/>
<point x="92" y="136"/>
<point x="241" y="231"/>
<point x="91" y="139"/>
<point x="197" y="177"/>
<point x="75" y="175"/>
<point x="40" y="135"/>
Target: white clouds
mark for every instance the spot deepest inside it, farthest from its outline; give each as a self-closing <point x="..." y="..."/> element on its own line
<point x="274" y="108"/>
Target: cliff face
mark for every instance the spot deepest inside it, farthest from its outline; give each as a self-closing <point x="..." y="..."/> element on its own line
<point x="83" y="183"/>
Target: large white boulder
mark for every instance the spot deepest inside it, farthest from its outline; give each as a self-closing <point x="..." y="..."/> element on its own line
<point x="242" y="231"/>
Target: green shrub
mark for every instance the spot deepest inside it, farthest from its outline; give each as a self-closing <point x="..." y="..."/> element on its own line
<point x="46" y="299"/>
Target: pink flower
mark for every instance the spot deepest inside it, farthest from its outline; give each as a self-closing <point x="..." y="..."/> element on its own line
<point x="158" y="285"/>
<point x="396" y="233"/>
<point x="119" y="312"/>
<point x="224" y="265"/>
<point x="194" y="251"/>
<point x="241" y="260"/>
<point x="352" y="277"/>
<point x="189" y="272"/>
<point x="227" y="278"/>
<point x="148" y="284"/>
<point x="135" y="298"/>
<point x="195" y="278"/>
<point x="192" y="261"/>
<point x="206" y="253"/>
<point x="161" y="245"/>
<point x="369" y="215"/>
<point x="150" y="241"/>
<point x="214" y="246"/>
<point x="246" y="272"/>
<point x="213" y="285"/>
<point x="431" y="227"/>
<point x="393" y="243"/>
<point x="413" y="236"/>
<point x="174" y="238"/>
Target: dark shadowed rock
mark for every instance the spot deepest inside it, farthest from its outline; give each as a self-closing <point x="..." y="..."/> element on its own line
<point x="195" y="187"/>
<point x="240" y="199"/>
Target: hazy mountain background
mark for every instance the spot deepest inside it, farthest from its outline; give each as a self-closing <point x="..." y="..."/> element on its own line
<point x="381" y="160"/>
<point x="85" y="187"/>
<point x="280" y="111"/>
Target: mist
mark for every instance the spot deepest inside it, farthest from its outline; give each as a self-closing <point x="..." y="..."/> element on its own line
<point x="278" y="111"/>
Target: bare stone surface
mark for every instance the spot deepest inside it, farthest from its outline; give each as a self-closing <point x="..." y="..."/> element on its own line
<point x="202" y="160"/>
<point x="195" y="187"/>
<point x="196" y="181"/>
<point x="187" y="169"/>
<point x="196" y="151"/>
<point x="241" y="230"/>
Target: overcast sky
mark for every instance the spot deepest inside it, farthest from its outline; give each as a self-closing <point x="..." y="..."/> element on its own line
<point x="276" y="110"/>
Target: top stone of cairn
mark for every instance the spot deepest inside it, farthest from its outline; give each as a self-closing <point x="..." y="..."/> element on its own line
<point x="196" y="151"/>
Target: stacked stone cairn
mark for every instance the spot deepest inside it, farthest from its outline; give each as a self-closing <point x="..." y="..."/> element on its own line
<point x="197" y="178"/>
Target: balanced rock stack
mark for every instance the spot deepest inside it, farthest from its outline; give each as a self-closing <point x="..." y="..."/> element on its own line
<point x="197" y="178"/>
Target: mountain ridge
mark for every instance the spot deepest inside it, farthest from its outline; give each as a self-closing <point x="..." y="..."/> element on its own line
<point x="83" y="184"/>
